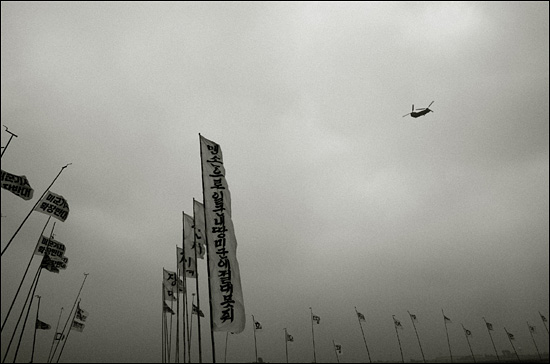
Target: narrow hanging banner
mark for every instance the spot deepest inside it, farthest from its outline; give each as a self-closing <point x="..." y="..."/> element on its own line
<point x="227" y="302"/>
<point x="18" y="185"/>
<point x="53" y="205"/>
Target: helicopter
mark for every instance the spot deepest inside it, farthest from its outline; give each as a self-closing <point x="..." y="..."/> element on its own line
<point x="423" y="111"/>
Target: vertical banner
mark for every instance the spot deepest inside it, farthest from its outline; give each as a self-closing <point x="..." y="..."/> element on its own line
<point x="226" y="294"/>
<point x="198" y="216"/>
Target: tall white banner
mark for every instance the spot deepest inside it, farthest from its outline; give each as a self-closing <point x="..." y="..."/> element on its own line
<point x="226" y="294"/>
<point x="18" y="185"/>
<point x="53" y="205"/>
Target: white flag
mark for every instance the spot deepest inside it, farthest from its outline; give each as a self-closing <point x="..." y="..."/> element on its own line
<point x="18" y="185"/>
<point x="54" y="249"/>
<point x="53" y="205"/>
<point x="198" y="217"/>
<point x="171" y="282"/>
<point x="186" y="263"/>
<point x="228" y="313"/>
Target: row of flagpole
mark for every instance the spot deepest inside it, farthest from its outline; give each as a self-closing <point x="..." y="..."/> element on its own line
<point x="53" y="260"/>
<point x="337" y="347"/>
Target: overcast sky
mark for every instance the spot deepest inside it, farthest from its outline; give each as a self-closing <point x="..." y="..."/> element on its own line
<point x="337" y="200"/>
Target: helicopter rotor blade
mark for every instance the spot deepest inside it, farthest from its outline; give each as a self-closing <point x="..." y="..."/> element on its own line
<point x="412" y="108"/>
<point x="406" y="114"/>
<point x="424" y="108"/>
<point x="430" y="104"/>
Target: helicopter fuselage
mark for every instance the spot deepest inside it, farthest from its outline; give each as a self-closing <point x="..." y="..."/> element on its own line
<point x="415" y="114"/>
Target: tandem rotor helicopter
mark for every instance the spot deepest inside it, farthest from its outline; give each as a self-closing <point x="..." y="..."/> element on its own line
<point x="423" y="111"/>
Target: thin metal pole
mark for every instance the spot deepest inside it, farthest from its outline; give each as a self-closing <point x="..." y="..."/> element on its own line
<point x="468" y="340"/>
<point x="226" y="336"/>
<point x="191" y="324"/>
<point x="398" y="340"/>
<point x="55" y="335"/>
<point x="255" y="347"/>
<point x="417" y="337"/>
<point x="32" y="209"/>
<point x="68" y="319"/>
<point x="447" y="332"/>
<point x="26" y="317"/>
<point x="286" y="344"/>
<point x="334" y="347"/>
<point x="6" y="147"/>
<point x="37" y="274"/>
<point x="313" y="336"/>
<point x="491" y="336"/>
<point x="34" y="337"/>
<point x="209" y="254"/>
<point x="197" y="283"/>
<point x="534" y="342"/>
<point x="178" y="308"/>
<point x="162" y="322"/>
<point x="25" y="274"/>
<point x="362" y="332"/>
<point x="511" y="343"/>
<point x="68" y="332"/>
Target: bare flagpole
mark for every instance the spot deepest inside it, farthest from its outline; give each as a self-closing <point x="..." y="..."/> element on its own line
<point x="491" y="336"/>
<point x="226" y="337"/>
<point x="191" y="319"/>
<point x="468" y="340"/>
<point x="177" y="308"/>
<point x="197" y="282"/>
<point x="532" y="337"/>
<point x="25" y="274"/>
<point x="398" y="340"/>
<point x="68" y="332"/>
<point x="313" y="335"/>
<point x="417" y="337"/>
<point x="362" y="332"/>
<point x="34" y="337"/>
<point x="32" y="209"/>
<point x="35" y="279"/>
<point x="447" y="332"/>
<point x="27" y="316"/>
<point x="6" y="147"/>
<point x="55" y="335"/>
<point x="511" y="343"/>
<point x="208" y="252"/>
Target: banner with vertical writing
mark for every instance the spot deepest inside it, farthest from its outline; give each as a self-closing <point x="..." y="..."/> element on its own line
<point x="226" y="294"/>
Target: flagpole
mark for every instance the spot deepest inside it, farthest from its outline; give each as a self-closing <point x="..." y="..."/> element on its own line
<point x="511" y="343"/>
<point x="255" y="347"/>
<point x="191" y="324"/>
<point x="55" y="335"/>
<point x="532" y="337"/>
<point x="69" y="318"/>
<point x="36" y="276"/>
<point x="68" y="332"/>
<point x="286" y="344"/>
<point x="32" y="209"/>
<point x="417" y="337"/>
<point x="185" y="303"/>
<point x="6" y="147"/>
<point x="25" y="274"/>
<point x="362" y="332"/>
<point x="335" y="353"/>
<point x="209" y="252"/>
<point x="177" y="308"/>
<point x="162" y="320"/>
<point x="226" y="336"/>
<point x="468" y="340"/>
<point x="197" y="285"/>
<point x="313" y="336"/>
<point x="26" y="317"/>
<point x="398" y="340"/>
<point x="491" y="336"/>
<point x="447" y="332"/>
<point x="34" y="337"/>
<point x="544" y="321"/>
